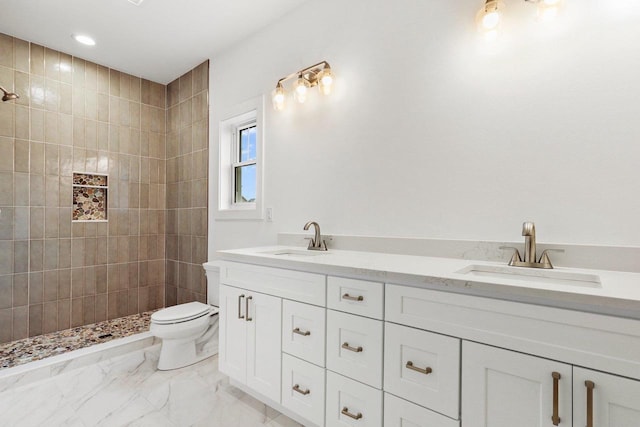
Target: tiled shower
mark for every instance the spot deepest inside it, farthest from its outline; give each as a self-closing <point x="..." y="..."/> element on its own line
<point x="150" y="140"/>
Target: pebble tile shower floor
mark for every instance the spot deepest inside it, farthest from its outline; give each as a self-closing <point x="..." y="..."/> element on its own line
<point x="27" y="350"/>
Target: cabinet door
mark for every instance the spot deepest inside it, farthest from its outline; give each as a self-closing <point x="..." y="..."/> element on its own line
<point x="615" y="401"/>
<point x="233" y="333"/>
<point x="264" y="323"/>
<point x="503" y="388"/>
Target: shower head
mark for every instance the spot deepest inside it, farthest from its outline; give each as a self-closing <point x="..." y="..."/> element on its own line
<point x="8" y="96"/>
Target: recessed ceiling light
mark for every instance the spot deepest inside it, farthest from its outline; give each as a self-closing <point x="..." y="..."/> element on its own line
<point x="81" y="38"/>
<point x="136" y="2"/>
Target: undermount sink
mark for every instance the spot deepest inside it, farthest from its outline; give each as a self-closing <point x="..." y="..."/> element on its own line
<point x="293" y="253"/>
<point x="533" y="275"/>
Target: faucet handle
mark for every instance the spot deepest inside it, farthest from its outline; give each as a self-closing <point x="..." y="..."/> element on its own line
<point x="544" y="258"/>
<point x="516" y="254"/>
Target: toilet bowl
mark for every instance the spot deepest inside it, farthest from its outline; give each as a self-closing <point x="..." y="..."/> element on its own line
<point x="189" y="334"/>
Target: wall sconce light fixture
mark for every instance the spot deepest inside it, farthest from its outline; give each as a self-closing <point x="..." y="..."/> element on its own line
<point x="490" y="17"/>
<point x="319" y="75"/>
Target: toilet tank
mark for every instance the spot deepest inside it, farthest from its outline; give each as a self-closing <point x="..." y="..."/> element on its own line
<point x="212" y="271"/>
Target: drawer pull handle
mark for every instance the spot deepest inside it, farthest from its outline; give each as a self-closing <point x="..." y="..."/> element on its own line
<point x="299" y="390"/>
<point x="240" y="316"/>
<point x="246" y="308"/>
<point x="556" y="379"/>
<point x="590" y="386"/>
<point x="425" y="371"/>
<point x="345" y="411"/>
<point x="303" y="333"/>
<point x="350" y="298"/>
<point x="346" y="346"/>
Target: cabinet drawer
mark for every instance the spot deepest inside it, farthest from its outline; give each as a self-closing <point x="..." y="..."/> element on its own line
<point x="303" y="389"/>
<point x="423" y="367"/>
<point x="354" y="347"/>
<point x="400" y="413"/>
<point x="294" y="285"/>
<point x="356" y="296"/>
<point x="303" y="331"/>
<point x="350" y="403"/>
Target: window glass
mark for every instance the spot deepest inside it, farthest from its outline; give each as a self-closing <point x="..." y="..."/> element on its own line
<point x="248" y="144"/>
<point x="245" y="184"/>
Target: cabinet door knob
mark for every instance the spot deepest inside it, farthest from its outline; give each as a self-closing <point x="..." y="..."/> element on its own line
<point x="299" y="390"/>
<point x="240" y="316"/>
<point x="350" y="298"/>
<point x="556" y="379"/>
<point x="345" y="411"/>
<point x="246" y="308"/>
<point x="346" y="346"/>
<point x="303" y="333"/>
<point x="425" y="371"/>
<point x="590" y="386"/>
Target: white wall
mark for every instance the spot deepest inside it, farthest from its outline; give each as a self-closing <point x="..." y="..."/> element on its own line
<point x="432" y="133"/>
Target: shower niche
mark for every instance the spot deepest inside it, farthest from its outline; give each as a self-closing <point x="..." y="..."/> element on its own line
<point x="90" y="194"/>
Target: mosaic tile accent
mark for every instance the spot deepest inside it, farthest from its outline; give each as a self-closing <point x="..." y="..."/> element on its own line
<point x="88" y="179"/>
<point x="42" y="346"/>
<point x="89" y="197"/>
<point x="89" y="204"/>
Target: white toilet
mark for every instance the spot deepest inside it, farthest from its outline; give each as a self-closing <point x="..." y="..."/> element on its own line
<point x="189" y="332"/>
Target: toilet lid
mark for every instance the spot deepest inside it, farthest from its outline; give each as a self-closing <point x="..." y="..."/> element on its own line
<point x="181" y="312"/>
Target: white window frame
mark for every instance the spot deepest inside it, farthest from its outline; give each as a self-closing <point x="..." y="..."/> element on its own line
<point x="237" y="163"/>
<point x="247" y="114"/>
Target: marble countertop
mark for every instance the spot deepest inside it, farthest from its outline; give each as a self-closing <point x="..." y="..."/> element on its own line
<point x="618" y="293"/>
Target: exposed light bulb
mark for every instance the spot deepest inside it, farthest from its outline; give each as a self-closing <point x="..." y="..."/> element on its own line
<point x="301" y="89"/>
<point x="325" y="81"/>
<point x="491" y="20"/>
<point x="278" y="97"/>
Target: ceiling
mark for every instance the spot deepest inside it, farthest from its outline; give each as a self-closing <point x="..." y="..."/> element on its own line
<point x="158" y="40"/>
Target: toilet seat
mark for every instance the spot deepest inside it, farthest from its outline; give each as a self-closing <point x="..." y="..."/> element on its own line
<point x="182" y="313"/>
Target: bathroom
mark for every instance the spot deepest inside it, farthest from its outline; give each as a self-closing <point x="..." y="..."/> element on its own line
<point x="431" y="136"/>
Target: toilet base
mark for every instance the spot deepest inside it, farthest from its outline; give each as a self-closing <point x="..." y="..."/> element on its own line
<point x="176" y="354"/>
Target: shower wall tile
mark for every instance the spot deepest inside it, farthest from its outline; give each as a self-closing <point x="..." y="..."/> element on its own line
<point x="6" y="51"/>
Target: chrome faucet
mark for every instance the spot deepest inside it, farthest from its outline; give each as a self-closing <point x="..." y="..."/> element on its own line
<point x="529" y="233"/>
<point x="316" y="243"/>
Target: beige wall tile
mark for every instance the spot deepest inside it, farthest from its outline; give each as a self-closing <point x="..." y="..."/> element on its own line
<point x="52" y="64"/>
<point x="22" y="87"/>
<point x="66" y="68"/>
<point x="37" y="59"/>
<point x="20" y="322"/>
<point x="21" y="55"/>
<point x="186" y="86"/>
<point x="20" y="290"/>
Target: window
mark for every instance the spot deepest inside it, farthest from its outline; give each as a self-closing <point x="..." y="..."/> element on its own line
<point x="240" y="162"/>
<point x="244" y="164"/>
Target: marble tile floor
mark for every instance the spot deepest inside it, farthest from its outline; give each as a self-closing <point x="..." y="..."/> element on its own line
<point x="128" y="391"/>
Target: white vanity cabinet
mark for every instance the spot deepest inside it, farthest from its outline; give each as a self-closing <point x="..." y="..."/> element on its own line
<point x="250" y="331"/>
<point x="333" y="351"/>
